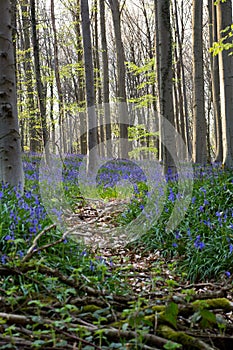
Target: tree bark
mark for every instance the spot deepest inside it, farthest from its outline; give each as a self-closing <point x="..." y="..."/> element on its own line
<point x="199" y="121"/>
<point x="39" y="85"/>
<point x="61" y="111"/>
<point x="166" y="86"/>
<point x="121" y="77"/>
<point x="105" y="67"/>
<point x="90" y="92"/>
<point x="214" y="60"/>
<point x="34" y="144"/>
<point x="11" y="169"/>
<point x="224" y="19"/>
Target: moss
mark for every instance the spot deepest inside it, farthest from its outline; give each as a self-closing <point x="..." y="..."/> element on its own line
<point x="188" y="342"/>
<point x="158" y="308"/>
<point x="90" y="308"/>
<point x="218" y="303"/>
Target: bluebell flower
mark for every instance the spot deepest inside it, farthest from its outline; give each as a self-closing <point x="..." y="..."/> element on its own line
<point x="203" y="190"/>
<point x="198" y="244"/>
<point x="228" y="274"/>
<point x="201" y="208"/>
<point x="92" y="266"/>
<point x="193" y="200"/>
<point x="171" y="196"/>
<point x="28" y="194"/>
<point x="189" y="232"/>
<point x="83" y="253"/>
<point x="3" y="259"/>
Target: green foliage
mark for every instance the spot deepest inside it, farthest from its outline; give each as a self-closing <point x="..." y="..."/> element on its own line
<point x="225" y="43"/>
<point x="204" y="237"/>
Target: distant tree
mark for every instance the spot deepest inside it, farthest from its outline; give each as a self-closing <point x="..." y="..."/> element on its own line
<point x="38" y="75"/>
<point x="121" y="77"/>
<point x="61" y="118"/>
<point x="199" y="121"/>
<point x="105" y="78"/>
<point x="182" y="107"/>
<point x="11" y="169"/>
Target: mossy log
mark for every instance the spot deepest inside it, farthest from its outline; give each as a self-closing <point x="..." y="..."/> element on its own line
<point x="188" y="342"/>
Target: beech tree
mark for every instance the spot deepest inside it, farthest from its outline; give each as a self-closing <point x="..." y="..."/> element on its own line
<point x="105" y="78"/>
<point x="11" y="169"/>
<point x="214" y="60"/>
<point x="121" y="76"/>
<point x="39" y="82"/>
<point x="166" y="107"/>
<point x="224" y="19"/>
<point x="90" y="92"/>
<point x="199" y="122"/>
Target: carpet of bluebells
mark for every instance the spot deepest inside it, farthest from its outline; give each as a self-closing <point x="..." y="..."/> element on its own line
<point x="202" y="243"/>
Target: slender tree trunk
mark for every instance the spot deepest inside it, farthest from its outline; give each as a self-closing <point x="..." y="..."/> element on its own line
<point x="224" y="19"/>
<point x="39" y="85"/>
<point x="80" y="83"/>
<point x="34" y="146"/>
<point x="199" y="121"/>
<point x="180" y="79"/>
<point x="98" y="83"/>
<point x="105" y="70"/>
<point x="157" y="65"/>
<point x="215" y="83"/>
<point x="11" y="169"/>
<point x="121" y="78"/>
<point x="90" y="92"/>
<point x="61" y="118"/>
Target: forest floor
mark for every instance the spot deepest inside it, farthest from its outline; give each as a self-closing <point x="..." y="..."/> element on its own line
<point x="145" y="305"/>
<point x="78" y="289"/>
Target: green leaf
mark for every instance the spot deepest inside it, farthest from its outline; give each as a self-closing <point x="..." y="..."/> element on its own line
<point x="171" y="313"/>
<point x="208" y="319"/>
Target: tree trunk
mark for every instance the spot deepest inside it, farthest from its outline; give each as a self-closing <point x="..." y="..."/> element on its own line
<point x="157" y="67"/>
<point x="121" y="76"/>
<point x="98" y="83"/>
<point x="61" y="115"/>
<point x="34" y="145"/>
<point x="90" y="92"/>
<point x="215" y="83"/>
<point x="107" y="119"/>
<point x="79" y="81"/>
<point x="11" y="169"/>
<point x="199" y="121"/>
<point x="166" y="87"/>
<point x="39" y="85"/>
<point x="181" y="84"/>
<point x="224" y="19"/>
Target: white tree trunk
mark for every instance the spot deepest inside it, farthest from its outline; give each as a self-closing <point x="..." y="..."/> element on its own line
<point x="11" y="169"/>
